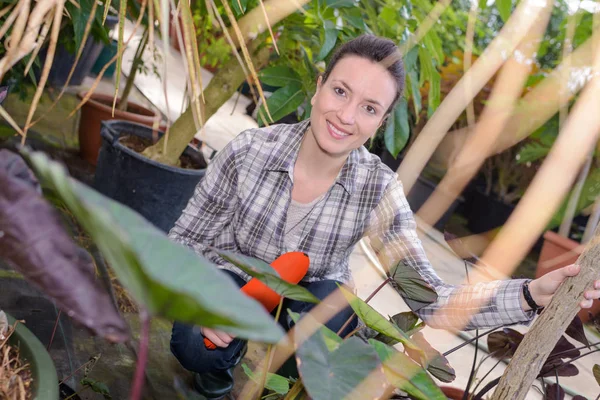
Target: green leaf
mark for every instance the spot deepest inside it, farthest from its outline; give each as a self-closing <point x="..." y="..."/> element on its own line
<point x="338" y="374"/>
<point x="397" y="131"/>
<point x="414" y="289"/>
<point x="98" y="387"/>
<point x="482" y="5"/>
<point x="437" y="364"/>
<point x="340" y="3"/>
<point x="267" y="275"/>
<point x="168" y="279"/>
<point x="236" y="6"/>
<point x="279" y="76"/>
<point x="283" y="102"/>
<point x="596" y="372"/>
<point x="406" y="321"/>
<point x="504" y="8"/>
<point x="328" y="43"/>
<point x="376" y="321"/>
<point x="405" y="374"/>
<point x="274" y="382"/>
<point x="332" y="340"/>
<point x="531" y="152"/>
<point x="434" y="93"/>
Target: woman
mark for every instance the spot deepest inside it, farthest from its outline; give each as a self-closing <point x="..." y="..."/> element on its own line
<point x="313" y="187"/>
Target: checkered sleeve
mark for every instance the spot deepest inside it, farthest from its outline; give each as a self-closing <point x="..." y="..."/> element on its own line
<point x="392" y="232"/>
<point x="213" y="204"/>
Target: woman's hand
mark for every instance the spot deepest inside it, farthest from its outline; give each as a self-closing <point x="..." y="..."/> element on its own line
<point x="219" y="338"/>
<point x="543" y="288"/>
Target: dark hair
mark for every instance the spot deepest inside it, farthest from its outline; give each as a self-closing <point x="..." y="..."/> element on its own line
<point x="376" y="49"/>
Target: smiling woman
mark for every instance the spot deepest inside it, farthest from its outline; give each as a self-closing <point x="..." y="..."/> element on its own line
<point x="313" y="187"/>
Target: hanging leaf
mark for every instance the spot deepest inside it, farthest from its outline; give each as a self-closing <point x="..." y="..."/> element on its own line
<point x="283" y="101"/>
<point x="564" y="348"/>
<point x="406" y="375"/>
<point x="596" y="372"/>
<point x="557" y="366"/>
<point x="279" y="76"/>
<point x="267" y="275"/>
<point x="376" y="321"/>
<point x="397" y="131"/>
<point x="190" y="290"/>
<point x="504" y="344"/>
<point x="274" y="382"/>
<point x="96" y="386"/>
<point x="406" y="321"/>
<point x="551" y="392"/>
<point x="504" y="8"/>
<point x="35" y="243"/>
<point x="330" y="38"/>
<point x="437" y="364"/>
<point x="338" y="373"/>
<point x="415" y="291"/>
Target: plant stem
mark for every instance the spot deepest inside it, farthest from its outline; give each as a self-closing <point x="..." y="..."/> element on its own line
<point x="54" y="329"/>
<point x="74" y="372"/>
<point x="294" y="391"/>
<point x="487" y="388"/>
<point x="138" y="382"/>
<point x="269" y="356"/>
<point x="460" y="346"/>
<point x="557" y="385"/>
<point x="486" y="375"/>
<point x="381" y="286"/>
<point x="137" y="60"/>
<point x="568" y="351"/>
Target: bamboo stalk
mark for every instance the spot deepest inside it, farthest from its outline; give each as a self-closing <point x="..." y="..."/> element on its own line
<point x="484" y="68"/>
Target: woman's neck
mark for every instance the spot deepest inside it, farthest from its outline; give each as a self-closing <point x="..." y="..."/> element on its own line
<point x="314" y="162"/>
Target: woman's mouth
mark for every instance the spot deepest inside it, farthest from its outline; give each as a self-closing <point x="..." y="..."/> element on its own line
<point x="335" y="132"/>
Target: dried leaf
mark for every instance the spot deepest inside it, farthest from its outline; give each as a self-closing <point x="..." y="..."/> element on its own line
<point x="575" y="330"/>
<point x="596" y="372"/>
<point x="35" y="243"/>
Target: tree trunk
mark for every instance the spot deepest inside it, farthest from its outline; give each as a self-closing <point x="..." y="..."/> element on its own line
<point x="222" y="86"/>
<point x="545" y="332"/>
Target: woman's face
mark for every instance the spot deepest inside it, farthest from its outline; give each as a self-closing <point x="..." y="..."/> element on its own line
<point x="351" y="105"/>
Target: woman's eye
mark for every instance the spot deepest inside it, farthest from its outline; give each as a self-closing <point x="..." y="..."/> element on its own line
<point x="370" y="110"/>
<point x="339" y="91"/>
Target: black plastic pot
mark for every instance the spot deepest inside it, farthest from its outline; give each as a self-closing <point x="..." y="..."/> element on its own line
<point x="485" y="213"/>
<point x="420" y="192"/>
<point x="158" y="192"/>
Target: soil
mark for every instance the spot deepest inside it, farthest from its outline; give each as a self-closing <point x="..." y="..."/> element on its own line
<point x="15" y="376"/>
<point x="138" y="145"/>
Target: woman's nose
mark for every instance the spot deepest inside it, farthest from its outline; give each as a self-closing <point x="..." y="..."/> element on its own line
<point x="346" y="114"/>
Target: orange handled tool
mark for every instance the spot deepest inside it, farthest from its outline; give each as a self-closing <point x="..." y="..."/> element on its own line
<point x="291" y="267"/>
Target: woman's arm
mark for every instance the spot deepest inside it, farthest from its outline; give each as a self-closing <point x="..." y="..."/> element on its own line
<point x="212" y="206"/>
<point x="392" y="231"/>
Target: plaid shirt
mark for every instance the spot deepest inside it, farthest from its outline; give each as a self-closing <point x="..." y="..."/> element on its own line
<point x="242" y="202"/>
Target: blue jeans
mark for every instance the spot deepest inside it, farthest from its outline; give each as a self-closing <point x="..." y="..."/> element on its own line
<point x="187" y="343"/>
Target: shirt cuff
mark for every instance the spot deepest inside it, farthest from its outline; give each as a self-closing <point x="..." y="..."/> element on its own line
<point x="508" y="303"/>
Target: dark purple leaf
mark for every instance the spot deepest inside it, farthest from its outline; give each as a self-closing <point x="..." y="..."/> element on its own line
<point x="551" y="391"/>
<point x="565" y="349"/>
<point x="437" y="365"/>
<point x="459" y="248"/>
<point x="575" y="330"/>
<point x="504" y="344"/>
<point x="416" y="291"/>
<point x="578" y="397"/>
<point x="563" y="369"/>
<point x="35" y="243"/>
<point x="406" y="321"/>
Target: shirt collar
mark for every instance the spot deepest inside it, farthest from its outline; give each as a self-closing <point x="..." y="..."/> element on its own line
<point x="284" y="156"/>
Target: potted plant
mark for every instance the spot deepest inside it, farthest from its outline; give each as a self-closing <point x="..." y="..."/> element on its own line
<point x="38" y="377"/>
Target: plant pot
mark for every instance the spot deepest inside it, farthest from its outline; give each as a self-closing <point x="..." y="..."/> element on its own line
<point x="557" y="252"/>
<point x="157" y="191"/>
<point x="485" y="213"/>
<point x="420" y="192"/>
<point x="452" y="392"/>
<point x="99" y="108"/>
<point x="44" y="378"/>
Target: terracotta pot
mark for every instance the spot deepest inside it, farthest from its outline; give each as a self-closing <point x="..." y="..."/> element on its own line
<point x="452" y="392"/>
<point x="557" y="252"/>
<point x="99" y="108"/>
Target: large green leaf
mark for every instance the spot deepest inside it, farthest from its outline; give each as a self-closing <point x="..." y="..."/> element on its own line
<point x="417" y="293"/>
<point x="504" y="8"/>
<point x="274" y="382"/>
<point x="405" y="374"/>
<point x="330" y="38"/>
<point x="376" y="321"/>
<point x="279" y="76"/>
<point x="531" y="152"/>
<point x="339" y="373"/>
<point x="397" y="131"/>
<point x="283" y="102"/>
<point x="168" y="279"/>
<point x="340" y="3"/>
<point x="267" y="275"/>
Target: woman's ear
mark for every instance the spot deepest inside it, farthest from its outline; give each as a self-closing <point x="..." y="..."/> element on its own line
<point x="319" y="82"/>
